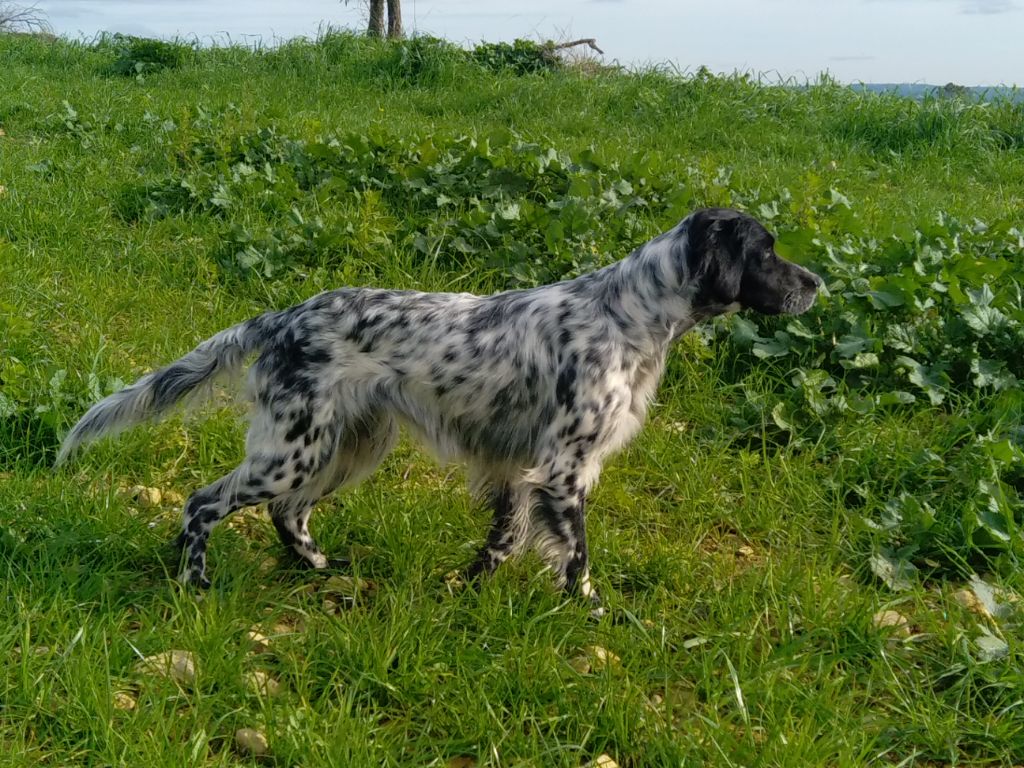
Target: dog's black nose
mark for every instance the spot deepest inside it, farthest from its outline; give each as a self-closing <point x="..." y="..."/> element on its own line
<point x="811" y="280"/>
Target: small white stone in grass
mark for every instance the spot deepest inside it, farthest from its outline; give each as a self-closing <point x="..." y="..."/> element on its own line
<point x="342" y="591"/>
<point x="284" y="629"/>
<point x="258" y="642"/>
<point x="593" y="657"/>
<point x="581" y="663"/>
<point x="268" y="564"/>
<point x="602" y="657"/>
<point x="124" y="701"/>
<point x="147" y="497"/>
<point x="602" y="761"/>
<point x="970" y="601"/>
<point x="893" y="620"/>
<point x="37" y="650"/>
<point x="174" y="499"/>
<point x="262" y="683"/>
<point x="676" y="697"/>
<point x="249" y="741"/>
<point x="247" y="519"/>
<point x="454" y="581"/>
<point x="179" y="666"/>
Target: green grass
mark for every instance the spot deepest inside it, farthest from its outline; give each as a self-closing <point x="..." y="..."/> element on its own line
<point x="734" y="554"/>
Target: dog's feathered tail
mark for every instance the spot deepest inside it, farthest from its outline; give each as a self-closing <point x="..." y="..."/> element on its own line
<point x="155" y="394"/>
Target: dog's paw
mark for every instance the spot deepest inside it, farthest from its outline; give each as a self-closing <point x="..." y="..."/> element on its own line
<point x="322" y="564"/>
<point x="193" y="579"/>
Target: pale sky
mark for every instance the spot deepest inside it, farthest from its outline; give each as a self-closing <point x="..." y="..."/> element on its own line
<point x="970" y="42"/>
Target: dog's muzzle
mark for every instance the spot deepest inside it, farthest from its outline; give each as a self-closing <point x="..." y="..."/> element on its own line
<point x="801" y="298"/>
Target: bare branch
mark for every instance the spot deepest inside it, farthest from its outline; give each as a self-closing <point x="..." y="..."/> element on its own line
<point x="588" y="41"/>
<point x="22" y="18"/>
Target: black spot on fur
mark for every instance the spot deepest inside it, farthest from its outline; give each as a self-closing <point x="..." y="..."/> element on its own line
<point x="299" y="426"/>
<point x="363" y="324"/>
<point x="565" y="386"/>
<point x="293" y="361"/>
<point x="505" y="398"/>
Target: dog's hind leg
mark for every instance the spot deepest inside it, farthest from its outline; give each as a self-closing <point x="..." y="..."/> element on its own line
<point x="508" y="532"/>
<point x="358" y="451"/>
<point x="290" y="516"/>
<point x="288" y="458"/>
<point x="249" y="483"/>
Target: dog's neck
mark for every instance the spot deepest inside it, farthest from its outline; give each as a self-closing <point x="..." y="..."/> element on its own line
<point x="662" y="301"/>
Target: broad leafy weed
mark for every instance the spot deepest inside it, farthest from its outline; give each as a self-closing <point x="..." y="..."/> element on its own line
<point x="139" y="56"/>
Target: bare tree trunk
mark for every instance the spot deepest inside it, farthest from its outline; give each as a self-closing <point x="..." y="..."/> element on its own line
<point x="395" y="31"/>
<point x="376" y="28"/>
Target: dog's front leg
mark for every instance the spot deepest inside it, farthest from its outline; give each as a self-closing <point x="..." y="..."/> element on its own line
<point x="560" y="537"/>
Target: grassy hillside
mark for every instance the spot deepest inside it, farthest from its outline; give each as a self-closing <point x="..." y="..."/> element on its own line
<point x="812" y="553"/>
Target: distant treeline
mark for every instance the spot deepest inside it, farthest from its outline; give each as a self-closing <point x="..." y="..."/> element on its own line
<point x="922" y="90"/>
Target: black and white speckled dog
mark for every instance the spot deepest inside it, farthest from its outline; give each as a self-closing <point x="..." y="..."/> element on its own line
<point x="533" y="389"/>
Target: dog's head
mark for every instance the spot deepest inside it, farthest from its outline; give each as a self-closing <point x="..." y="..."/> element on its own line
<point x="731" y="259"/>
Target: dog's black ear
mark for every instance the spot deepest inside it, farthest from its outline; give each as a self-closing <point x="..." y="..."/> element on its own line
<point x="716" y="255"/>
